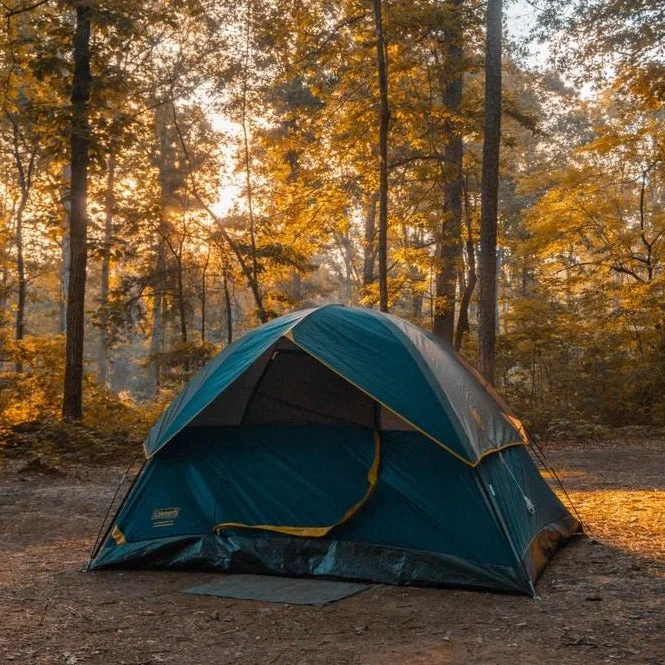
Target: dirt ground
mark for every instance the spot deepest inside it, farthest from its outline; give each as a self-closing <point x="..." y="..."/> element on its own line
<point x="602" y="599"/>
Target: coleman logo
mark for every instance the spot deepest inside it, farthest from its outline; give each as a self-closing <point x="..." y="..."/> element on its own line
<point x="159" y="514"/>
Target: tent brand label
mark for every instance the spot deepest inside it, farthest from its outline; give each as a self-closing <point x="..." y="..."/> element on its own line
<point x="164" y="516"/>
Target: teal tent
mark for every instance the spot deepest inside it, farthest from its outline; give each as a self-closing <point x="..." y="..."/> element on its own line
<point x="344" y="443"/>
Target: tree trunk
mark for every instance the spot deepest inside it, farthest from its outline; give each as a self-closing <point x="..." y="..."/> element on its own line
<point x="20" y="272"/>
<point x="182" y="304"/>
<point x="25" y="173"/>
<point x="245" y="120"/>
<point x="159" y="281"/>
<point x="384" y="116"/>
<point x="72" y="405"/>
<point x="66" y="176"/>
<point x="64" y="277"/>
<point x="157" y="332"/>
<point x="102" y="352"/>
<point x="4" y="279"/>
<point x="369" y="249"/>
<point x="229" y="312"/>
<point x="203" y="296"/>
<point x="449" y="249"/>
<point x="490" y="192"/>
<point x="471" y="278"/>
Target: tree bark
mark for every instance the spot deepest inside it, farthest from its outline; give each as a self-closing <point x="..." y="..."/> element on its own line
<point x="471" y="278"/>
<point x="204" y="273"/>
<point x="369" y="249"/>
<point x="490" y="192"/>
<point x="384" y="122"/>
<point x="449" y="250"/>
<point x="182" y="305"/>
<point x="255" y="284"/>
<point x="66" y="176"/>
<point x="109" y="204"/>
<point x="159" y="280"/>
<point x="24" y="171"/>
<point x="4" y="279"/>
<point x="20" y="272"/>
<point x="347" y="251"/>
<point x="157" y="332"/>
<point x="72" y="404"/>
<point x="229" y="311"/>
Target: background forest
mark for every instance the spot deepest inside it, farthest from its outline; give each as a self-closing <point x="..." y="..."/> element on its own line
<point x="197" y="167"/>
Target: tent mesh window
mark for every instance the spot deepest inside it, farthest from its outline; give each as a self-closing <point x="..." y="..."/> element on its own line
<point x="287" y="386"/>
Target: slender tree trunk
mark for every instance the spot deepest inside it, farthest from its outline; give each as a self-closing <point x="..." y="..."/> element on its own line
<point x="20" y="272"/>
<point x="255" y="284"/>
<point x="449" y="250"/>
<point x="64" y="277"/>
<point x="72" y="405"/>
<point x="24" y="171"/>
<point x="66" y="176"/>
<point x="204" y="273"/>
<point x="182" y="309"/>
<point x="471" y="278"/>
<point x="102" y="352"/>
<point x="229" y="311"/>
<point x="384" y="116"/>
<point x="4" y="270"/>
<point x="182" y="306"/>
<point x="347" y="253"/>
<point x="159" y="280"/>
<point x="369" y="249"/>
<point x="157" y="332"/>
<point x="490" y="192"/>
<point x="416" y="275"/>
<point x="4" y="279"/>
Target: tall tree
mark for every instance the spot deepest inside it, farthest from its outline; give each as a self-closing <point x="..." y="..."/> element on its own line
<point x="384" y="123"/>
<point x="448" y="247"/>
<point x="463" y="326"/>
<point x="490" y="191"/>
<point x="25" y="168"/>
<point x="109" y="203"/>
<point x="72" y="404"/>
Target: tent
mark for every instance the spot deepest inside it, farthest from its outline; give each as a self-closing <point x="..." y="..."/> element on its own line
<point x="345" y="443"/>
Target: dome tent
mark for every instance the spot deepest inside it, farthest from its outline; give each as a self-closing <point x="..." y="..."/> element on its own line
<point x="345" y="443"/>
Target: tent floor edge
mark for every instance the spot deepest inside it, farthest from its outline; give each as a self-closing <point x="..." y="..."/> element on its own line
<point x="310" y="557"/>
<point x="546" y="542"/>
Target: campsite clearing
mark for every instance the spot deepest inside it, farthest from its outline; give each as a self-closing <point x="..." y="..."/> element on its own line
<point x="602" y="601"/>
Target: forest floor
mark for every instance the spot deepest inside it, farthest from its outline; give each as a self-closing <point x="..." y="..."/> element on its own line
<point x="602" y="599"/>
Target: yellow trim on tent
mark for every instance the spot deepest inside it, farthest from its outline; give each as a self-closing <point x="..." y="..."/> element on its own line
<point x="118" y="536"/>
<point x="289" y="336"/>
<point x="320" y="531"/>
<point x="513" y="420"/>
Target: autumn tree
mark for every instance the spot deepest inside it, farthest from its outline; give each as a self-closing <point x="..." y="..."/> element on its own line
<point x="72" y="405"/>
<point x="490" y="188"/>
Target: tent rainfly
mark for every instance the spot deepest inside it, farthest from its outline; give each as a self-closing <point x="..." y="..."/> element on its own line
<point x="344" y="443"/>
